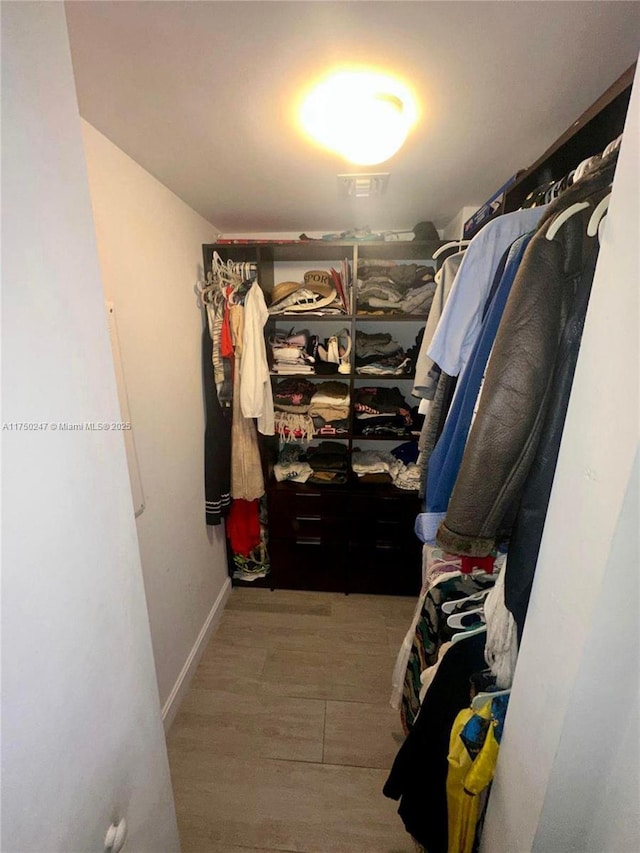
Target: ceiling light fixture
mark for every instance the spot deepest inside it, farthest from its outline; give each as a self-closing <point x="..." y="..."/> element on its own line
<point x="365" y="116"/>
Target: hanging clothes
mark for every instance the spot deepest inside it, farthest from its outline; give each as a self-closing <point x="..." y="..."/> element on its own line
<point x="430" y="632"/>
<point x="256" y="397"/>
<point x="215" y="305"/>
<point x="424" y="384"/>
<point x="473" y="754"/>
<point x="247" y="481"/>
<point x="434" y="424"/>
<point x="445" y="459"/>
<point x="217" y="442"/>
<point x="520" y="378"/>
<point x="419" y="773"/>
<point x="460" y="323"/>
<point x="243" y="526"/>
<point x="501" y="648"/>
<point x="524" y="542"/>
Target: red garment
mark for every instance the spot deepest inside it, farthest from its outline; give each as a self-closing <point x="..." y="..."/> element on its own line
<point x="226" y="341"/>
<point x="243" y="526"/>
<point x="468" y="564"/>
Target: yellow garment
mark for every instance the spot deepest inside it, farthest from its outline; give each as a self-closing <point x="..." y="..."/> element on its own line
<point x="466" y="779"/>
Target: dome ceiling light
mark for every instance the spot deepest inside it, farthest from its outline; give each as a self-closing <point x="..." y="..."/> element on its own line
<point x="364" y="116"/>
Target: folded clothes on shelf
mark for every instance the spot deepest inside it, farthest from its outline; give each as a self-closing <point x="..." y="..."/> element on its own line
<point x="293" y="395"/>
<point x="391" y="287"/>
<point x="329" y="461"/>
<point x="293" y="352"/>
<point x="380" y="400"/>
<point x="371" y="464"/>
<point x="379" y="355"/>
<point x="296" y="472"/>
<point x="330" y="401"/>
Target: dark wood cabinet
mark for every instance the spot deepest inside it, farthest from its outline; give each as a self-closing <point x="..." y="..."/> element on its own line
<point x="353" y="538"/>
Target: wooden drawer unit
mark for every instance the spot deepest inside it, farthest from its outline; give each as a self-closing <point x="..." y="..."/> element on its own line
<point x="308" y="563"/>
<point x="356" y="538"/>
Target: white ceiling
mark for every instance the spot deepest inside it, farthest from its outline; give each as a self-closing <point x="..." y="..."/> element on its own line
<point x="201" y="94"/>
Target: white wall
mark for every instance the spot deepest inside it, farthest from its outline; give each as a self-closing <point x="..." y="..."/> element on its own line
<point x="150" y="249"/>
<point x="567" y="776"/>
<point x="82" y="738"/>
<point x="455" y="229"/>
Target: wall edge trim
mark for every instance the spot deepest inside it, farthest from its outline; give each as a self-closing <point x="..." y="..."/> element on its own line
<point x="170" y="707"/>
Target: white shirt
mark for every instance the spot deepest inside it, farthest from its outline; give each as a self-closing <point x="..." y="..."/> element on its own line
<point x="256" y="398"/>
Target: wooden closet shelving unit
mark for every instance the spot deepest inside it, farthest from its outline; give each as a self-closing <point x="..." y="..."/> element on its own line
<point x="356" y="537"/>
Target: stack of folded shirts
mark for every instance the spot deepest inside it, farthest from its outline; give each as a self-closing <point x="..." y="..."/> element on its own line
<point x="381" y="411"/>
<point x="292" y="464"/>
<point x="329" y="461"/>
<point x="374" y="465"/>
<point x="389" y="287"/>
<point x="291" y="399"/>
<point x="379" y="355"/>
<point x="292" y="352"/>
<point x="380" y="466"/>
<point x="329" y="408"/>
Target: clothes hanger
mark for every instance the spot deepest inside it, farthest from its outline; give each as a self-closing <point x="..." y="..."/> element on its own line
<point x="615" y="143"/>
<point x="562" y="217"/>
<point x="472" y="632"/>
<point x="452" y="606"/>
<point x="459" y="244"/>
<point x="481" y="699"/>
<point x="456" y="619"/>
<point x="600" y="211"/>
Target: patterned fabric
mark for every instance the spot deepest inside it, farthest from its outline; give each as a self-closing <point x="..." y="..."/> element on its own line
<point x="429" y="635"/>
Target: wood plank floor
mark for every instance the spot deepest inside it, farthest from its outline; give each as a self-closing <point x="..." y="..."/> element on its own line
<point x="286" y="737"/>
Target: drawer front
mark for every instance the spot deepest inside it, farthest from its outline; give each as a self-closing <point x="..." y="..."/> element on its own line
<point x="290" y="499"/>
<point x="385" y="506"/>
<point x="307" y="524"/>
<point x="384" y="524"/>
<point x="384" y="569"/>
<point x="305" y="562"/>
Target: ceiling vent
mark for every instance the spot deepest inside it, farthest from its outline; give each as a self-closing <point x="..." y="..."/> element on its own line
<point x="363" y="186"/>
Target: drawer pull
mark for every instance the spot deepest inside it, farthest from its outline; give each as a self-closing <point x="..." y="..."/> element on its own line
<point x="308" y="518"/>
<point x="308" y="540"/>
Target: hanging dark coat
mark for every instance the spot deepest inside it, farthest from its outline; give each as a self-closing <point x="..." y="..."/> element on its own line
<point x="520" y="378"/>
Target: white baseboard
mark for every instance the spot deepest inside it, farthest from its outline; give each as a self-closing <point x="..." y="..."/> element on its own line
<point x="170" y="708"/>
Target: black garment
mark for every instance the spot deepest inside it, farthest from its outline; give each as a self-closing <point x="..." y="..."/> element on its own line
<point x="529" y="524"/>
<point x="217" y="442"/>
<point x="518" y="383"/>
<point x="419" y="774"/>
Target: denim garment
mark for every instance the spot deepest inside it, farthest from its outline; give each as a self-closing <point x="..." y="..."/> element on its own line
<point x="447" y="454"/>
<point x="461" y="319"/>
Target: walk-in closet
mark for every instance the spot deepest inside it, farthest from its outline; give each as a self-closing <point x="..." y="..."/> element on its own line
<point x="320" y="427"/>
